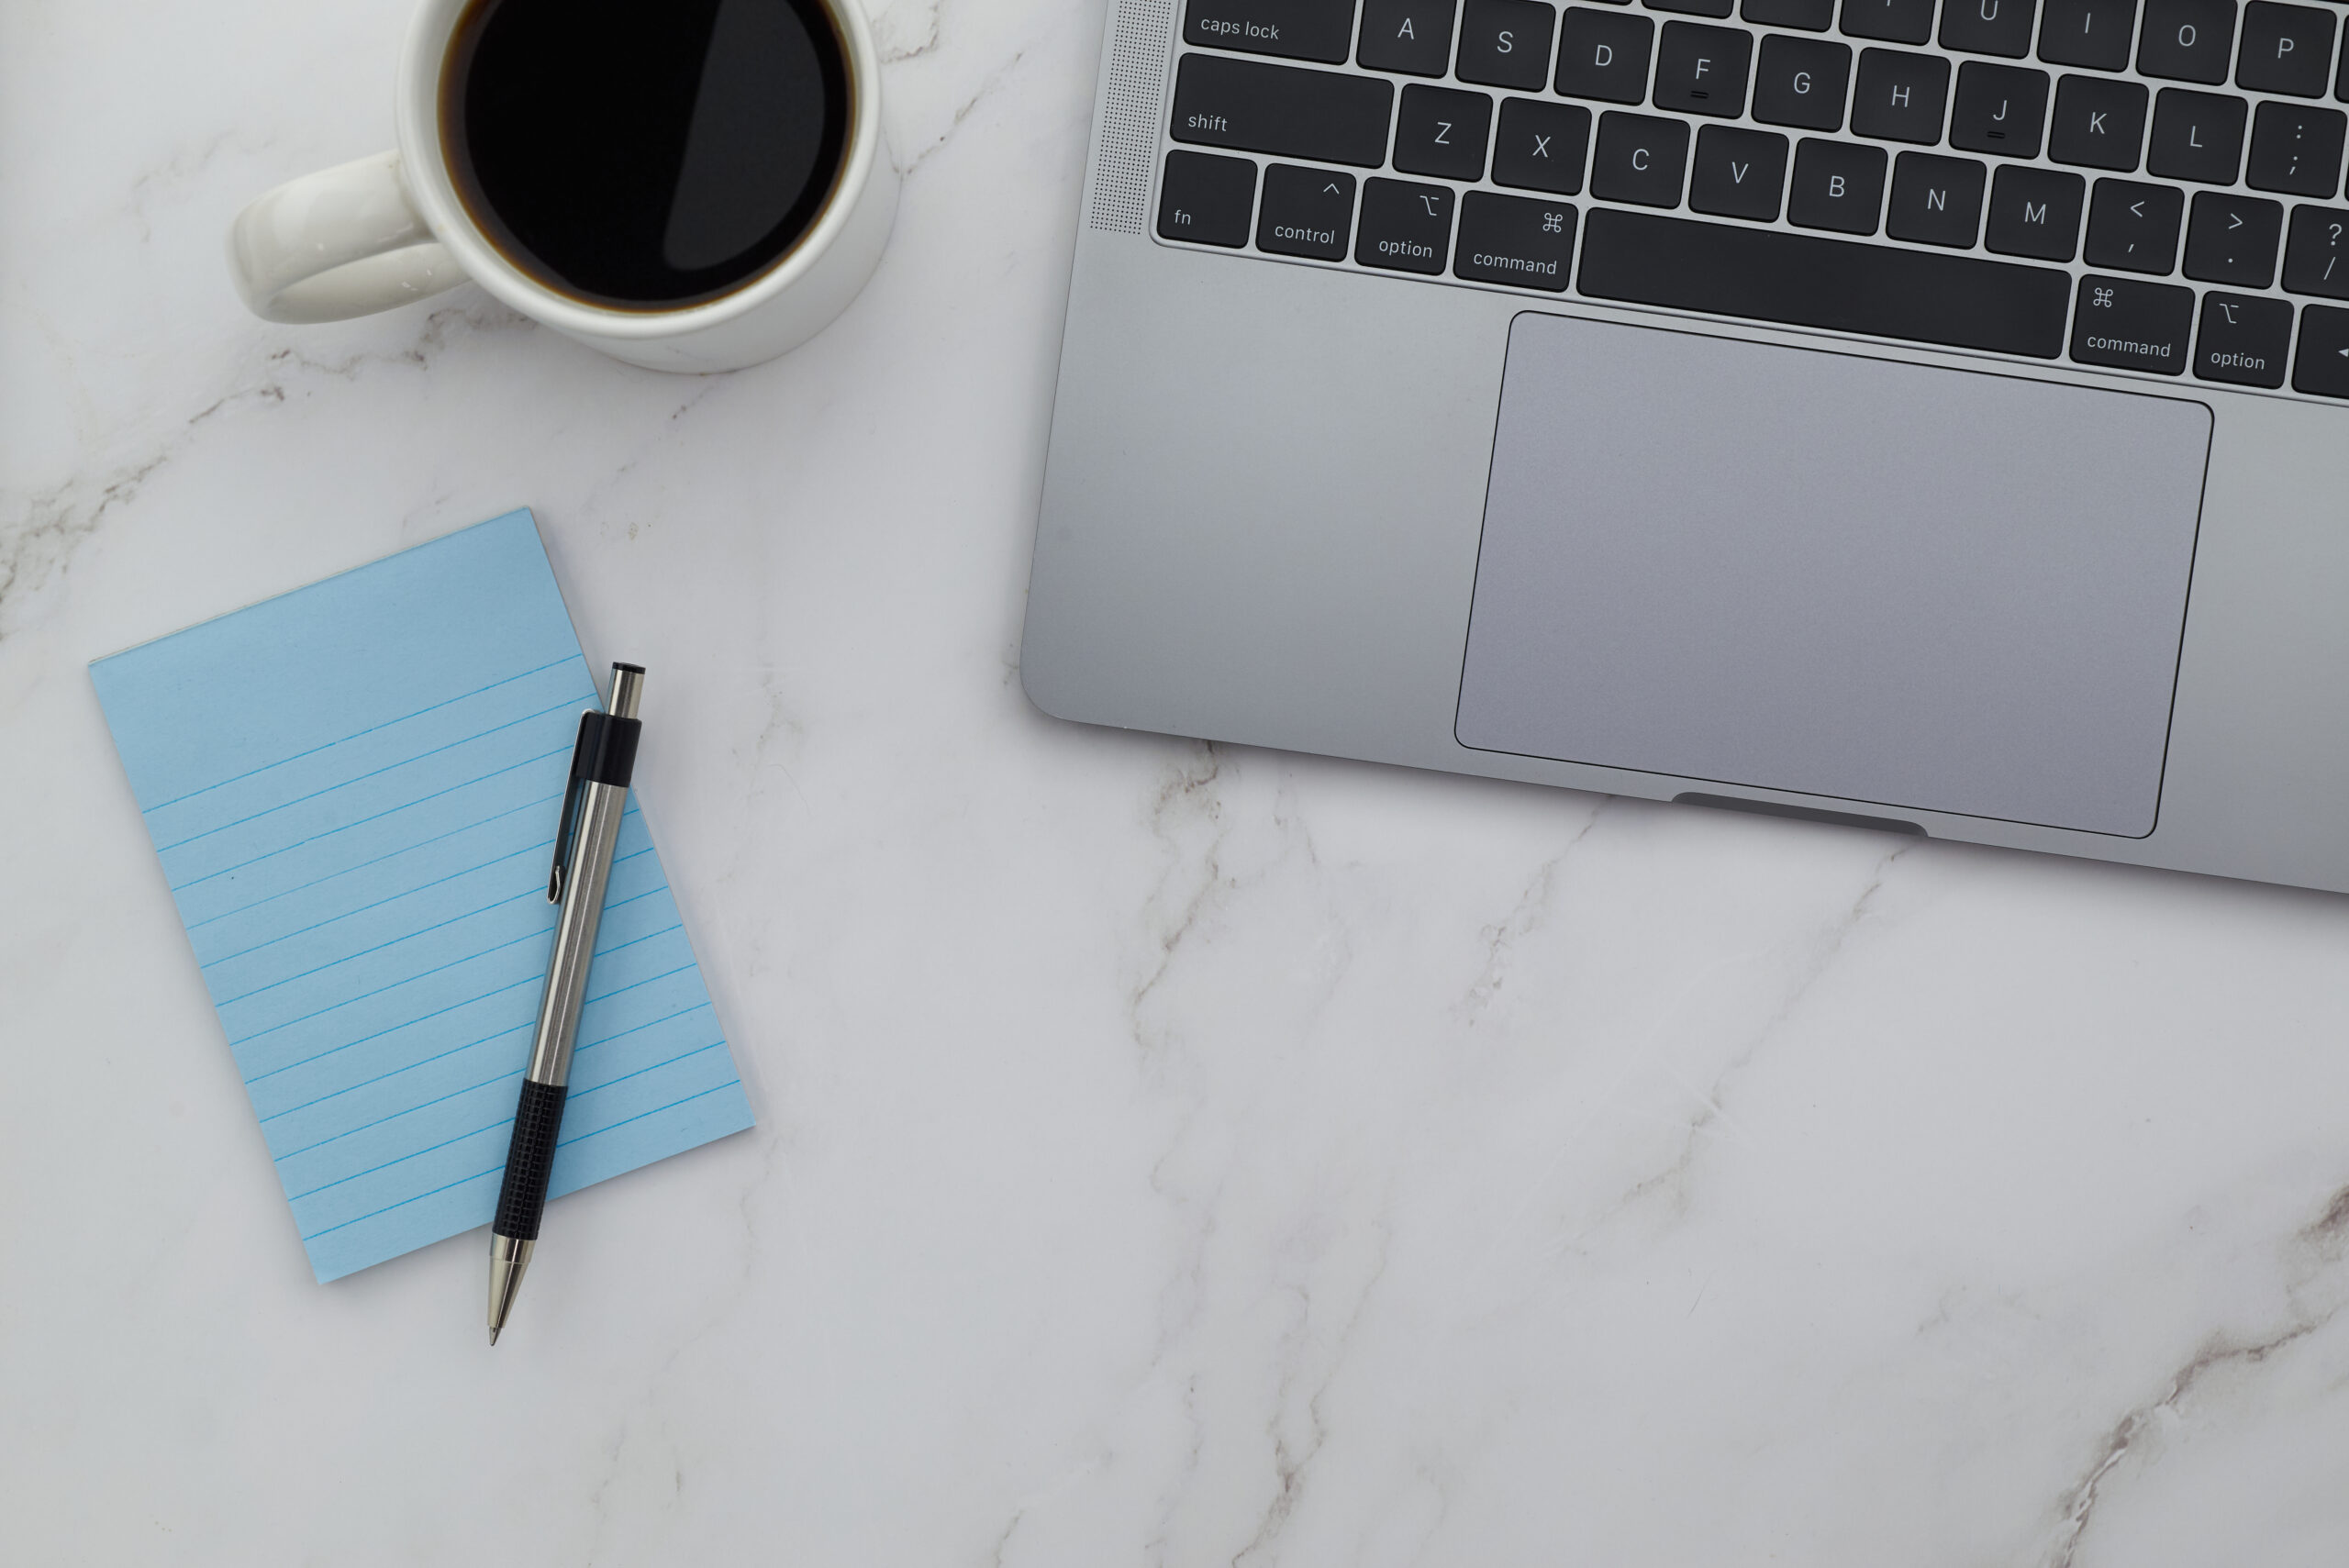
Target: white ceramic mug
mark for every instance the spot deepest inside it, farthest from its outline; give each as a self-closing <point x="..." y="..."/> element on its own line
<point x="384" y="231"/>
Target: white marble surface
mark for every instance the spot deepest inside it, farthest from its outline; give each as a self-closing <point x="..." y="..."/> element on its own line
<point x="1167" y="1154"/>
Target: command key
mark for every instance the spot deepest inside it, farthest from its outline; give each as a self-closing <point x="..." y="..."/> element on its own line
<point x="2130" y="325"/>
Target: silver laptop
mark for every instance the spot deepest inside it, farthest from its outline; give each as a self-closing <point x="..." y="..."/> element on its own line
<point x="1932" y="414"/>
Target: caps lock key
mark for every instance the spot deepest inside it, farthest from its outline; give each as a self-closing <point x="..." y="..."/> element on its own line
<point x="1297" y="29"/>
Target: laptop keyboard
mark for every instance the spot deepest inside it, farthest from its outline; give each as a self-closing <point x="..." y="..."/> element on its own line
<point x="2147" y="185"/>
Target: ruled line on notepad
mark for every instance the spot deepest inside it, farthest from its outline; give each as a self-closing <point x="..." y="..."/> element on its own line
<point x="535" y="974"/>
<point x="376" y="817"/>
<point x="581" y="1049"/>
<point x="538" y="849"/>
<point x="372" y="772"/>
<point x="507" y="1120"/>
<point x="500" y="1167"/>
<point x="531" y="892"/>
<point x="330" y="745"/>
<point x="194" y="926"/>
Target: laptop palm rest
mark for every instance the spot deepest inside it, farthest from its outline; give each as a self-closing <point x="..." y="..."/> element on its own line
<point x="1830" y="574"/>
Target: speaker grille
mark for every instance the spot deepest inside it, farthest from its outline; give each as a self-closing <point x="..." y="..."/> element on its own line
<point x="1129" y="120"/>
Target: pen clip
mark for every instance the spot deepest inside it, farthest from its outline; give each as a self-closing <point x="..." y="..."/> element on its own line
<point x="583" y="753"/>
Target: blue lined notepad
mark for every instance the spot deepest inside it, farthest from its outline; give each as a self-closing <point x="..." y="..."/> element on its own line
<point x="353" y="789"/>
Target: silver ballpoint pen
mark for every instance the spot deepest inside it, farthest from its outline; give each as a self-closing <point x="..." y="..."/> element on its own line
<point x="601" y="764"/>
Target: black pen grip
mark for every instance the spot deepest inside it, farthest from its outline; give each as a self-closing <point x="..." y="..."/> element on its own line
<point x="529" y="1160"/>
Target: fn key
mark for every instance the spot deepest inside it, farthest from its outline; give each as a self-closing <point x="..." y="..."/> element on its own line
<point x="1206" y="199"/>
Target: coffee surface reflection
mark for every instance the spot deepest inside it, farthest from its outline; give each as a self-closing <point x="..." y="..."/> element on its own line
<point x="649" y="154"/>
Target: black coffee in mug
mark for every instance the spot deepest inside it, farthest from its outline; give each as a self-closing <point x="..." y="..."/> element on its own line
<point x="645" y="154"/>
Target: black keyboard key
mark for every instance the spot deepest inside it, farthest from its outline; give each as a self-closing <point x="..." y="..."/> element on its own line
<point x="1640" y="159"/>
<point x="1604" y="55"/>
<point x="2094" y="33"/>
<point x="2323" y="364"/>
<point x="2243" y="340"/>
<point x="1542" y="146"/>
<point x="2135" y="226"/>
<point x="1442" y="131"/>
<point x="2133" y="325"/>
<point x="1307" y="212"/>
<point x="1693" y="7"/>
<point x="2035" y="212"/>
<point x="1701" y="70"/>
<point x="1413" y="36"/>
<point x="1800" y="280"/>
<point x="1206" y="199"/>
<point x="2316" y="256"/>
<point x="1900" y="96"/>
<point x="2197" y="136"/>
<point x="2286" y="48"/>
<point x="1510" y="240"/>
<point x="2295" y="148"/>
<point x="1810" y="16"/>
<point x="2098" y="124"/>
<point x="1738" y="173"/>
<point x="1282" y="110"/>
<point x="1998" y="109"/>
<point x="1505" y="43"/>
<point x="1936" y="200"/>
<point x="1405" y="228"/>
<point x="1800" y="81"/>
<point x="1837" y="186"/>
<point x="1894" y="21"/>
<point x="2188" y="40"/>
<point x="1301" y="29"/>
<point x="1988" y="26"/>
<point x="2233" y="240"/>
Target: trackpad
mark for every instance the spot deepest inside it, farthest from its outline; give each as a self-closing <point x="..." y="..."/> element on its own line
<point x="1820" y="573"/>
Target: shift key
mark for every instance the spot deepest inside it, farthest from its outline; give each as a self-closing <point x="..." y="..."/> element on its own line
<point x="1279" y="109"/>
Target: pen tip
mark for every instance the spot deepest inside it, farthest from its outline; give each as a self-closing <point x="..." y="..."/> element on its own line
<point x="492" y="1336"/>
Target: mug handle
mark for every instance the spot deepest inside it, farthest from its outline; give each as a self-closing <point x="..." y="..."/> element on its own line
<point x="342" y="242"/>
